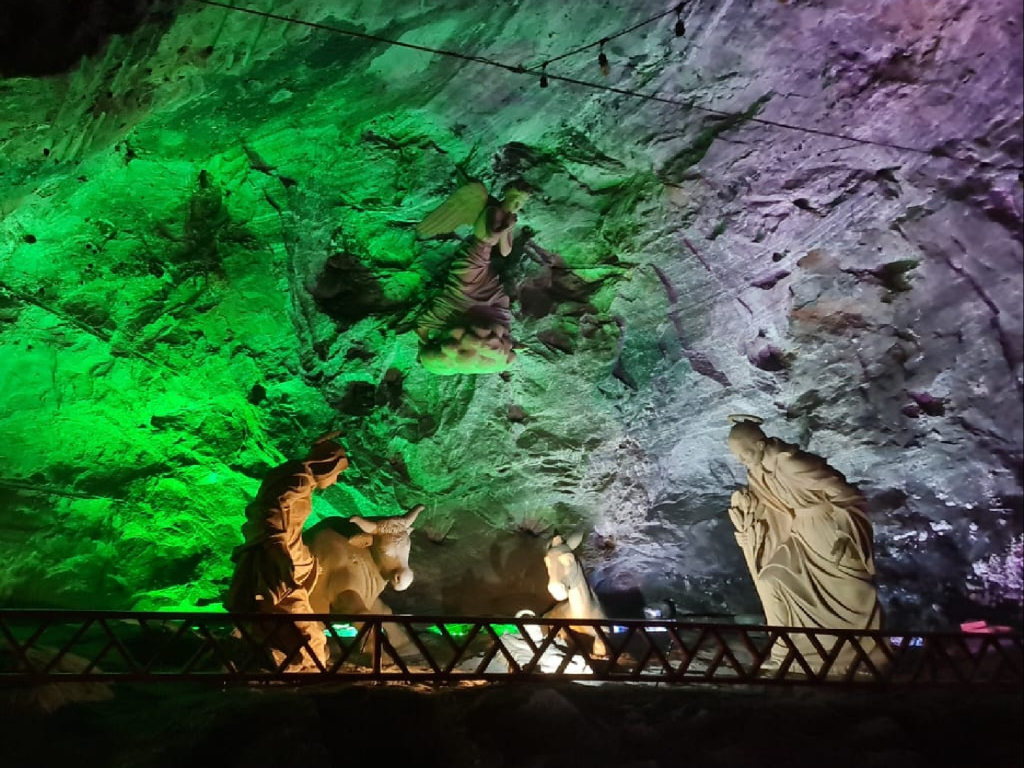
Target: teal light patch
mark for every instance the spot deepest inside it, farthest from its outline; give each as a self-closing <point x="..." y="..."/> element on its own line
<point x="455" y="630"/>
<point x="342" y="630"/>
<point x="461" y="630"/>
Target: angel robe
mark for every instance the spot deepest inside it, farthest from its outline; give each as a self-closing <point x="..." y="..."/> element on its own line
<point x="473" y="294"/>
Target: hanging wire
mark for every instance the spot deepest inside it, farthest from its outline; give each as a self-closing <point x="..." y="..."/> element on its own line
<point x="723" y="113"/>
<point x="362" y="35"/>
<point x="546" y="76"/>
<point x="678" y="9"/>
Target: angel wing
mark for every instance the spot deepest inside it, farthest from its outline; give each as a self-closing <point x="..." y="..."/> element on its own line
<point x="462" y="207"/>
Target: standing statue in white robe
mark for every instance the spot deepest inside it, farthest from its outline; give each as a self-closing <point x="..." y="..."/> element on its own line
<point x="807" y="542"/>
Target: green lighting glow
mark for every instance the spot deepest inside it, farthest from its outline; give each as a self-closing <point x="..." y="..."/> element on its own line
<point x="168" y="325"/>
<point x="461" y="630"/>
<point x="454" y="630"/>
<point x="342" y="630"/>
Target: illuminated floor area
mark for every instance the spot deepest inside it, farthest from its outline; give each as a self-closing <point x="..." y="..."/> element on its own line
<point x="513" y="726"/>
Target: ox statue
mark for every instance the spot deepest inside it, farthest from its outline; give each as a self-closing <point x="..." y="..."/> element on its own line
<point x="567" y="583"/>
<point x="357" y="564"/>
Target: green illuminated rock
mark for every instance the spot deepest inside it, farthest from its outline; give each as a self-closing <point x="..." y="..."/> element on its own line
<point x="208" y="259"/>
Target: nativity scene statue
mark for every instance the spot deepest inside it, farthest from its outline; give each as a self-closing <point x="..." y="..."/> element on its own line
<point x="275" y="572"/>
<point x="467" y="326"/>
<point x="807" y="542"/>
<point x="567" y="584"/>
<point x="359" y="558"/>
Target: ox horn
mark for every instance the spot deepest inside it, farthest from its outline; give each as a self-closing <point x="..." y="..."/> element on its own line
<point x="410" y="516"/>
<point x="366" y="526"/>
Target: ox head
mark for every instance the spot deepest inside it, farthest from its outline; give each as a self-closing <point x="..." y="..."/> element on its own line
<point x="564" y="570"/>
<point x="391" y="545"/>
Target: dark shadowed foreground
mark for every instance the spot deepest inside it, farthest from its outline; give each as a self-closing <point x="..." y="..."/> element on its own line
<point x="528" y="726"/>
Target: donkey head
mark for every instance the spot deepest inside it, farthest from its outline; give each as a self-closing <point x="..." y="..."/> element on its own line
<point x="564" y="569"/>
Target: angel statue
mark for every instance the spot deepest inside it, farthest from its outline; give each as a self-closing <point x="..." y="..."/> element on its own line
<point x="466" y="329"/>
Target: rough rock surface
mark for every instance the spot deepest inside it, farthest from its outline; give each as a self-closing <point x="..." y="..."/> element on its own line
<point x="207" y="259"/>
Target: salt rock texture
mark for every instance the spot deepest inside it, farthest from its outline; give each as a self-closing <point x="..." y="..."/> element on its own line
<point x="208" y="260"/>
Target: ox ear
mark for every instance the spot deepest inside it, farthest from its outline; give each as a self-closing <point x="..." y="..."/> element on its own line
<point x="410" y="517"/>
<point x="574" y="540"/>
<point x="366" y="526"/>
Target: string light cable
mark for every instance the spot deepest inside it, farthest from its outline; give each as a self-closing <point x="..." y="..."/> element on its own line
<point x="547" y="77"/>
<point x="677" y="10"/>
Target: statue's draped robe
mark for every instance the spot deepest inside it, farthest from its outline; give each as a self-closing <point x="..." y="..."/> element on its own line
<point x="809" y="547"/>
<point x="274" y="569"/>
<point x="473" y="291"/>
<point x="467" y="328"/>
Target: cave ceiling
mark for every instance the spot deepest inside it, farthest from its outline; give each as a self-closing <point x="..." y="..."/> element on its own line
<point x="208" y="258"/>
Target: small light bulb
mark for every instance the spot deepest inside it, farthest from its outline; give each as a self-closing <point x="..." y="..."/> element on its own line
<point x="602" y="62"/>
<point x="543" y="80"/>
<point x="680" y="28"/>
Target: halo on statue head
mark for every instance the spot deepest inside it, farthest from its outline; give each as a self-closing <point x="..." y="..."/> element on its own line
<point x="738" y="418"/>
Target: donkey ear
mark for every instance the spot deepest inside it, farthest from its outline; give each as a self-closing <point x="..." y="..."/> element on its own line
<point x="574" y="540"/>
<point x="410" y="517"/>
<point x="366" y="526"/>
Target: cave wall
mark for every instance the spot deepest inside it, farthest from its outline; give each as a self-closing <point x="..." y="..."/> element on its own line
<point x="208" y="259"/>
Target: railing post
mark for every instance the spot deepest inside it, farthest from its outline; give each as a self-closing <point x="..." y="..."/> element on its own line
<point x="378" y="648"/>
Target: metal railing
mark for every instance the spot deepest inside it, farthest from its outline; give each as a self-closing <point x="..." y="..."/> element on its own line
<point x="38" y="646"/>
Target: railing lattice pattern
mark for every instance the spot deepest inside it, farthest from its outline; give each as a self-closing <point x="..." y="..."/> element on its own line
<point x="50" y="646"/>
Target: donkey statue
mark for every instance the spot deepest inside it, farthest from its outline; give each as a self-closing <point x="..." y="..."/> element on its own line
<point x="567" y="583"/>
